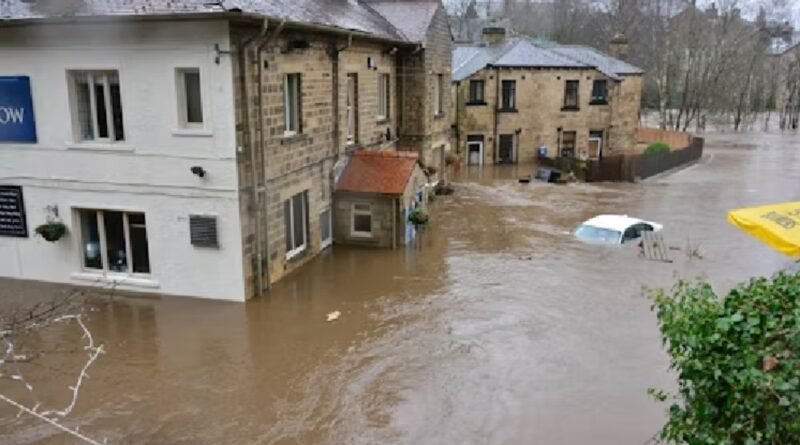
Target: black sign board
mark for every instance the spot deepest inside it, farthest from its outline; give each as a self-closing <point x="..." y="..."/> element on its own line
<point x="12" y="212"/>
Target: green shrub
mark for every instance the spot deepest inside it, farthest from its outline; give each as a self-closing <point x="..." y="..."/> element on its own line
<point x="737" y="360"/>
<point x="656" y="148"/>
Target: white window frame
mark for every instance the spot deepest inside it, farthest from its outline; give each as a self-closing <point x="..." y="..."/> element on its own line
<point x="291" y="126"/>
<point x="95" y="76"/>
<point x="101" y="231"/>
<point x="325" y="242"/>
<point x="354" y="211"/>
<point x="304" y="215"/>
<point x="352" y="108"/>
<point x="384" y="83"/>
<point x="183" y="104"/>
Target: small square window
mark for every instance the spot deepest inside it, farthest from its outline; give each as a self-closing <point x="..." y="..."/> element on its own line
<point x="361" y="221"/>
<point x="190" y="99"/>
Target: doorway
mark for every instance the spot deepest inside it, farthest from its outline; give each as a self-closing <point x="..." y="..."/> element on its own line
<point x="475" y="150"/>
<point x="595" y="150"/>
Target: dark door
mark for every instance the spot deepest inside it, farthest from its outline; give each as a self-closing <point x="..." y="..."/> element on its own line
<point x="505" y="150"/>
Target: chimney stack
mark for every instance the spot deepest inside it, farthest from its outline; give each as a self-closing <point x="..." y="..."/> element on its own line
<point x="494" y="35"/>
<point x="618" y="46"/>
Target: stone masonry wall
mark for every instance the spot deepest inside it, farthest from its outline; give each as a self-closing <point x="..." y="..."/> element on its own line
<point x="287" y="165"/>
<point x="539" y="114"/>
<point x="422" y="129"/>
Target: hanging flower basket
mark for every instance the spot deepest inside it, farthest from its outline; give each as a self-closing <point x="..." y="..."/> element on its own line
<point x="418" y="217"/>
<point x="52" y="231"/>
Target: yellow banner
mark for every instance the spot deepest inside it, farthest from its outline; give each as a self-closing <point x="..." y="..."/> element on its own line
<point x="777" y="225"/>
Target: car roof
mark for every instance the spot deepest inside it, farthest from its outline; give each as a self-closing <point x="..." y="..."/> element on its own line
<point x="614" y="222"/>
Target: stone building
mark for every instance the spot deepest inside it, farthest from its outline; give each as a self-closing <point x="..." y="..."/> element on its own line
<point x="191" y="147"/>
<point x="514" y="96"/>
<point x="374" y="197"/>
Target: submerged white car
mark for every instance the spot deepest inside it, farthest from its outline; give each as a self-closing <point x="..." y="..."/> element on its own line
<point x="614" y="229"/>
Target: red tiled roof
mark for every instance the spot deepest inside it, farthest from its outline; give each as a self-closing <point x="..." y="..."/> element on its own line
<point x="385" y="172"/>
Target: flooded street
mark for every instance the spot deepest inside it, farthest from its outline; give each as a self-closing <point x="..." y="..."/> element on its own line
<point x="497" y="328"/>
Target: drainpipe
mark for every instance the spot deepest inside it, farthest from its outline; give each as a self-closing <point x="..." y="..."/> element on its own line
<point x="498" y="104"/>
<point x="395" y="204"/>
<point x="261" y="191"/>
<point x="248" y="136"/>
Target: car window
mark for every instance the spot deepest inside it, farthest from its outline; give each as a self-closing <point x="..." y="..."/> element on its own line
<point x="630" y="234"/>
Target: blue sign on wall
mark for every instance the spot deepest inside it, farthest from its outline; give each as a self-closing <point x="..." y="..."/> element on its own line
<point x="17" y="123"/>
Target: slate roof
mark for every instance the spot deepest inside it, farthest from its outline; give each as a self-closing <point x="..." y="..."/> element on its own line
<point x="383" y="172"/>
<point x="411" y="18"/>
<point x="524" y="52"/>
<point x="400" y="21"/>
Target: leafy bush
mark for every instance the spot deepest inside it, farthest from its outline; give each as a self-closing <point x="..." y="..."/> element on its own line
<point x="656" y="148"/>
<point x="737" y="360"/>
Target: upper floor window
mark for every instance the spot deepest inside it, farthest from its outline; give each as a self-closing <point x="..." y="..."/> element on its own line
<point x="190" y="101"/>
<point x="383" y="96"/>
<point x="571" y="94"/>
<point x="352" y="108"/>
<point x="291" y="104"/>
<point x="439" y="95"/>
<point x="600" y="92"/>
<point x="509" y="95"/>
<point x="97" y="106"/>
<point x="476" y="89"/>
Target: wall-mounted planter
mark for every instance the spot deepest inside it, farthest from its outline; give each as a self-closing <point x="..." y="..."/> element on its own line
<point x="52" y="231"/>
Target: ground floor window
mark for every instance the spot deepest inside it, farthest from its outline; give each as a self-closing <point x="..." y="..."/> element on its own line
<point x="295" y="213"/>
<point x="325" y="228"/>
<point x="361" y="220"/>
<point x="114" y="241"/>
<point x="568" y="144"/>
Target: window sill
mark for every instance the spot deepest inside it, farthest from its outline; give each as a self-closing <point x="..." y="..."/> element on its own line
<point x="99" y="146"/>
<point x="116" y="278"/>
<point x="598" y="102"/>
<point x="475" y="104"/>
<point x="296" y="254"/>
<point x="570" y="109"/>
<point x="192" y="132"/>
<point x="507" y="110"/>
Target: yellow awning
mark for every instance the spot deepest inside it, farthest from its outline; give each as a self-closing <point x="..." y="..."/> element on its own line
<point x="777" y="225"/>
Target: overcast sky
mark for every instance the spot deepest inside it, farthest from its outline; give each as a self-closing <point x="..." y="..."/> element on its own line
<point x="749" y="7"/>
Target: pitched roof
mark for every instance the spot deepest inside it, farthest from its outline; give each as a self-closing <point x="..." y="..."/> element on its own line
<point x="411" y="18"/>
<point x="401" y="21"/>
<point x="524" y="52"/>
<point x="384" y="172"/>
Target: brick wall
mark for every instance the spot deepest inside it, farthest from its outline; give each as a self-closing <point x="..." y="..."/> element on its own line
<point x="539" y="115"/>
<point x="421" y="129"/>
<point x="283" y="166"/>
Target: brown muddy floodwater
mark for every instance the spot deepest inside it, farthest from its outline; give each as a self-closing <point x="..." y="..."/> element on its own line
<point x="497" y="328"/>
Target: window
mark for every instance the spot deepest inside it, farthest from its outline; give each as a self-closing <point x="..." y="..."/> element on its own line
<point x="439" y="95"/>
<point x="568" y="144"/>
<point x="352" y="108"/>
<point x="476" y="91"/>
<point x="291" y="104"/>
<point x="114" y="241"/>
<point x="326" y="235"/>
<point x="190" y="100"/>
<point x="571" y="94"/>
<point x="383" y="96"/>
<point x="295" y="214"/>
<point x="509" y="95"/>
<point x="361" y="220"/>
<point x="97" y="106"/>
<point x="599" y="92"/>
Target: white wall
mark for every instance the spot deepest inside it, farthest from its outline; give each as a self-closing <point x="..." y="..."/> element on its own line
<point x="149" y="172"/>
